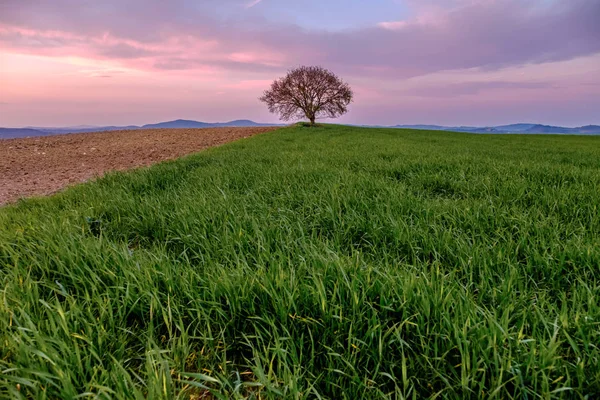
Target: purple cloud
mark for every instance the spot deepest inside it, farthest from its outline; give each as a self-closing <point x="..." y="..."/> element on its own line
<point x="474" y="88"/>
<point x="480" y="34"/>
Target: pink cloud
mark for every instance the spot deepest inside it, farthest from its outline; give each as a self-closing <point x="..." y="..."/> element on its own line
<point x="472" y="34"/>
<point x="256" y="84"/>
<point x="253" y="3"/>
<point x="177" y="47"/>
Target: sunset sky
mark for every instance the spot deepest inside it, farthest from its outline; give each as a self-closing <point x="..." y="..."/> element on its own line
<point x="451" y="62"/>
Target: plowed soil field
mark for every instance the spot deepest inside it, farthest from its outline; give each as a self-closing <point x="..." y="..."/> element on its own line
<point x="44" y="165"/>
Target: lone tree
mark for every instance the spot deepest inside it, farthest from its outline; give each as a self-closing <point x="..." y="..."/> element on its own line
<point x="311" y="92"/>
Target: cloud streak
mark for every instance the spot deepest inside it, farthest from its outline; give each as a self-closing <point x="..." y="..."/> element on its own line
<point x="476" y="88"/>
<point x="484" y="34"/>
<point x="253" y="3"/>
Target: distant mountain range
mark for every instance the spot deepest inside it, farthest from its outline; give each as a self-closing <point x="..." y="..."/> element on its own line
<point x="30" y="131"/>
<point x="7" y="133"/>
<point x="514" y="128"/>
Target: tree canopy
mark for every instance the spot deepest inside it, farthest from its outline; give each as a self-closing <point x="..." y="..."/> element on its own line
<point x="311" y="92"/>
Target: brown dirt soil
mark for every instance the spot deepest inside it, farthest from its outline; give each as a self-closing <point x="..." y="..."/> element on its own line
<point x="44" y="165"/>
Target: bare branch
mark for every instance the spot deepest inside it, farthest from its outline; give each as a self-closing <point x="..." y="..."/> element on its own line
<point x="311" y="92"/>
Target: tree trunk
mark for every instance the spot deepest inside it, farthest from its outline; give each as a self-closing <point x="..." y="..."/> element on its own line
<point x="312" y="121"/>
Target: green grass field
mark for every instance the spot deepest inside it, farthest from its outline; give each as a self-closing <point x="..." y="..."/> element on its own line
<point x="331" y="263"/>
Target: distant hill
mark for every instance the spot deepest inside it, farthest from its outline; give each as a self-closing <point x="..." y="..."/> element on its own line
<point x="183" y="123"/>
<point x="514" y="128"/>
<point x="471" y="129"/>
<point x="59" y="131"/>
<point x="583" y="130"/>
<point x="245" y="123"/>
<point x="9" y="133"/>
<point x="180" y="123"/>
<point x="425" y="127"/>
<point x="547" y="129"/>
<point x="66" y="127"/>
<point x="589" y="129"/>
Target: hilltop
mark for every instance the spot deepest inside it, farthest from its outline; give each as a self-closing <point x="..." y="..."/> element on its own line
<point x="334" y="262"/>
<point x="31" y="131"/>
